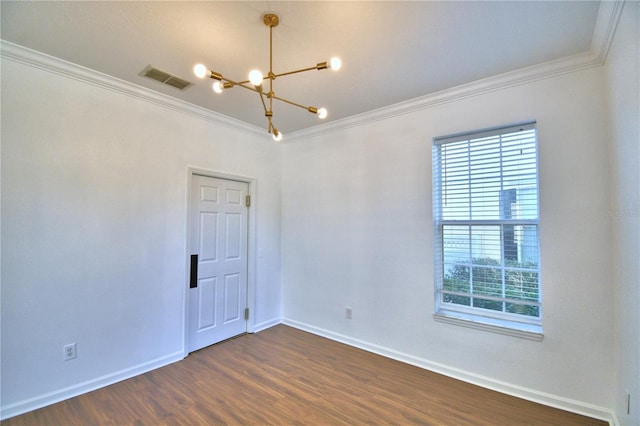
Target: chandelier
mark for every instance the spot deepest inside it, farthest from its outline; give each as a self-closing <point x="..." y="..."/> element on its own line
<point x="256" y="81"/>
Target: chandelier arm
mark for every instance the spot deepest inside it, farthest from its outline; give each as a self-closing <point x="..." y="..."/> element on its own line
<point x="244" y="86"/>
<point x="298" y="71"/>
<point x="235" y="83"/>
<point x="263" y="104"/>
<point x="291" y="102"/>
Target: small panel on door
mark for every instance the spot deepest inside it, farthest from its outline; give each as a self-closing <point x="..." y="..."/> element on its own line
<point x="207" y="305"/>
<point x="208" y="236"/>
<point x="231" y="297"/>
<point x="234" y="236"/>
<point x="209" y="193"/>
<point x="234" y="196"/>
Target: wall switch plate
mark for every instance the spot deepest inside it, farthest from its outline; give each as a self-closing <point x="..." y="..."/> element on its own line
<point x="69" y="351"/>
<point x="348" y="313"/>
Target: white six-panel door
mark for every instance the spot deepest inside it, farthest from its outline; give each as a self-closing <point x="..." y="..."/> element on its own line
<point x="218" y="236"/>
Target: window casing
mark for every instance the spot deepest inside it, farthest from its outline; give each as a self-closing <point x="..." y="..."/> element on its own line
<point x="486" y="218"/>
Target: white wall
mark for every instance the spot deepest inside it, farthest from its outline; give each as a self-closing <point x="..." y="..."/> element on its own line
<point x="622" y="72"/>
<point x="94" y="196"/>
<point x="357" y="232"/>
<point x="94" y="228"/>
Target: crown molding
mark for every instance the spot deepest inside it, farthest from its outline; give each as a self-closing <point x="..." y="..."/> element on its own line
<point x="604" y="31"/>
<point x="17" y="53"/>
<point x="491" y="84"/>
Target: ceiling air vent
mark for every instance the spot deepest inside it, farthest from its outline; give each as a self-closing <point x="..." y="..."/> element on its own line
<point x="165" y="78"/>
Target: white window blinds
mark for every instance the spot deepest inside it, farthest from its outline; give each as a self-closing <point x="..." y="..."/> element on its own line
<point x="485" y="187"/>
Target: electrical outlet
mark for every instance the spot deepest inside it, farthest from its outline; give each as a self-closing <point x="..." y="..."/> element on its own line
<point x="69" y="351"/>
<point x="348" y="313"/>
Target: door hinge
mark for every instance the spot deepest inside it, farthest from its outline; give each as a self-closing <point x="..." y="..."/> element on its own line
<point x="247" y="201"/>
<point x="246" y="313"/>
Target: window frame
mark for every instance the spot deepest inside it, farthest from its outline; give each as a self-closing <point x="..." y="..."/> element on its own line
<point x="514" y="324"/>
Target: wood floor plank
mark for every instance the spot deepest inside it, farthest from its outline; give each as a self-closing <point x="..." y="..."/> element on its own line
<point x="284" y="376"/>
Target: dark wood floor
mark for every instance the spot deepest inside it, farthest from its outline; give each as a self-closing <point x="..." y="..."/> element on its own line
<point x="284" y="376"/>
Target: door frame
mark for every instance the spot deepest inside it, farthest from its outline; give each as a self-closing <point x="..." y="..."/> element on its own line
<point x="251" y="246"/>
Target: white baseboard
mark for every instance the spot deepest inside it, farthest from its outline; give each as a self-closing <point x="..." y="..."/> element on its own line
<point x="544" y="398"/>
<point x="31" y="404"/>
<point x="486" y="382"/>
<point x="266" y="324"/>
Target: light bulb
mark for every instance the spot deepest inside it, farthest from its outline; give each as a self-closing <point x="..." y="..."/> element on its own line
<point x="200" y="71"/>
<point x="335" y="64"/>
<point x="218" y="86"/>
<point x="322" y="113"/>
<point x="277" y="136"/>
<point x="256" y="77"/>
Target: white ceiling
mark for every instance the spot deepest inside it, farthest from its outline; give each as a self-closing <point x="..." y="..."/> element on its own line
<point x="392" y="51"/>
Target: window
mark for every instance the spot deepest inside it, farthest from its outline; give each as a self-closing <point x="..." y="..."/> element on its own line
<point x="485" y="198"/>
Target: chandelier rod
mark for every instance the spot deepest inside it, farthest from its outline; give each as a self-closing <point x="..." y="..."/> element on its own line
<point x="270" y="95"/>
<point x="259" y="91"/>
<point x="291" y="102"/>
<point x="320" y="66"/>
<point x="295" y="72"/>
<point x="264" y="105"/>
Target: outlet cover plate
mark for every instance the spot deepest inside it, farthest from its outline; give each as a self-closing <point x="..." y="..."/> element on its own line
<point x="69" y="351"/>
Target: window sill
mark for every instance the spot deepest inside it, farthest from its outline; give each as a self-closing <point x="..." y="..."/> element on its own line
<point x="500" y="326"/>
